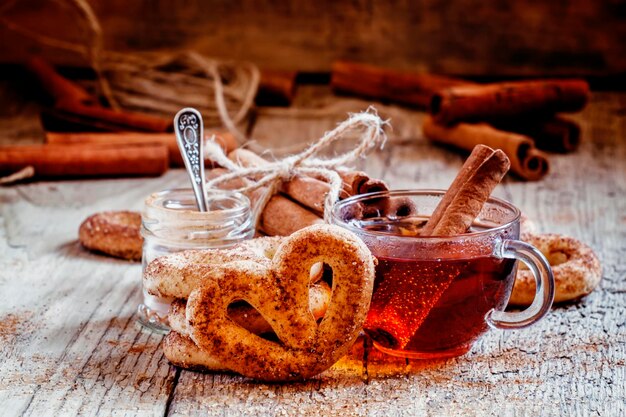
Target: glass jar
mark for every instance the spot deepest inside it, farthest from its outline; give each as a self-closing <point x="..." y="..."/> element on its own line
<point x="172" y="223"/>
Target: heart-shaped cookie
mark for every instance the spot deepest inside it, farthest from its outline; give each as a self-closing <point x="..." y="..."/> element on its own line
<point x="280" y="292"/>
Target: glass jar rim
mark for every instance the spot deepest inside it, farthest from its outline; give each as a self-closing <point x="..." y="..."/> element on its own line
<point x="336" y="219"/>
<point x="164" y="201"/>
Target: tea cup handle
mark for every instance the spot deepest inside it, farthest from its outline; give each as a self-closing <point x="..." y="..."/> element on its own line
<point x="544" y="295"/>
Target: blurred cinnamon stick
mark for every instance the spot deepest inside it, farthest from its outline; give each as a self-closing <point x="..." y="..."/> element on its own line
<point x="526" y="161"/>
<point x="276" y="88"/>
<point x="411" y="88"/>
<point x="226" y="140"/>
<point x="72" y="99"/>
<point x="508" y="99"/>
<point x="555" y="135"/>
<point x="58" y="87"/>
<point x="124" y="119"/>
<point x="60" y="161"/>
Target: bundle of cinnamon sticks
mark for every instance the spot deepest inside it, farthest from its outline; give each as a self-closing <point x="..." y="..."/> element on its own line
<point x="522" y="118"/>
<point x="518" y="117"/>
<point x="300" y="202"/>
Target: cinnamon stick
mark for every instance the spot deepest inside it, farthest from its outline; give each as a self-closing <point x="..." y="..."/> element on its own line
<point x="310" y="192"/>
<point x="353" y="181"/>
<point x="59" y="87"/>
<point x="281" y="216"/>
<point x="411" y="88"/>
<point x="224" y="139"/>
<point x="60" y="161"/>
<point x="307" y="191"/>
<point x="555" y="135"/>
<point x="526" y="161"/>
<point x="358" y="182"/>
<point x="510" y="99"/>
<point x="394" y="207"/>
<point x="481" y="172"/>
<point x="276" y="88"/>
<point x="397" y="321"/>
<point x="72" y="99"/>
<point x="236" y="183"/>
<point x="308" y="195"/>
<point x="124" y="119"/>
<point x="246" y="158"/>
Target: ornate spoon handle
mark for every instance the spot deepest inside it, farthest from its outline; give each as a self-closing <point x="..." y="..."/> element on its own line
<point x="190" y="137"/>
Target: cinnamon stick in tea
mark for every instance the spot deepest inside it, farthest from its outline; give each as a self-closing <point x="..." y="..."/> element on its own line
<point x="505" y="100"/>
<point x="226" y="140"/>
<point x="455" y="213"/>
<point x="411" y="88"/>
<point x="404" y="313"/>
<point x="555" y="135"/>
<point x="526" y="161"/>
<point x="59" y="161"/>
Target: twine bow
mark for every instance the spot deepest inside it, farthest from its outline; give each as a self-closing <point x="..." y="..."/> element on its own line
<point x="305" y="163"/>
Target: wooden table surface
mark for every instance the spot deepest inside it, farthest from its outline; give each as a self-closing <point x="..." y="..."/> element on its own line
<point x="70" y="343"/>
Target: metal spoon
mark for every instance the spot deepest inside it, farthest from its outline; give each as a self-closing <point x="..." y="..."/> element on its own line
<point x="190" y="138"/>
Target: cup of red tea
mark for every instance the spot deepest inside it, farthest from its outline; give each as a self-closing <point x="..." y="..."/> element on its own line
<point x="435" y="296"/>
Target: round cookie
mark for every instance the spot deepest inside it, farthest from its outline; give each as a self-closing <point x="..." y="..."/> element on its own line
<point x="576" y="268"/>
<point x="115" y="233"/>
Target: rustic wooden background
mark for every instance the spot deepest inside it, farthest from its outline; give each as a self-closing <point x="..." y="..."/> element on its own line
<point x="462" y="37"/>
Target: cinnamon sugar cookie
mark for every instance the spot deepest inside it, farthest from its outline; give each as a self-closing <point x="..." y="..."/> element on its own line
<point x="115" y="233"/>
<point x="576" y="268"/>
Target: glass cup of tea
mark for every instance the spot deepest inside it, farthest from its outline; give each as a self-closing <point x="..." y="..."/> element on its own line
<point x="434" y="296"/>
